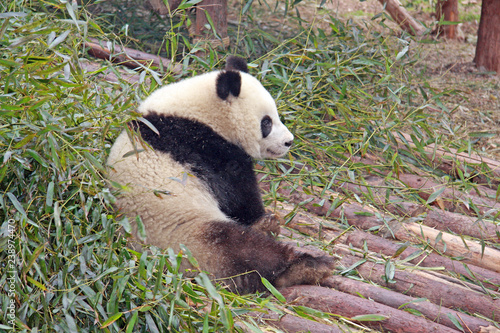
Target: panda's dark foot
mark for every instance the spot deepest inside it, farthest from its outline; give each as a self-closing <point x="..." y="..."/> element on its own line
<point x="269" y="224"/>
<point x="306" y="269"/>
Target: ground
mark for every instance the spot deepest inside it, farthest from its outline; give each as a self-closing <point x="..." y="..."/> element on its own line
<point x="474" y="107"/>
<point x="448" y="65"/>
<point x="474" y="102"/>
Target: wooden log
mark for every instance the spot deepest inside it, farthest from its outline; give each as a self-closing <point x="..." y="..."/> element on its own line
<point x="366" y="218"/>
<point x="333" y="301"/>
<point x="462" y="225"/>
<point x="388" y="248"/>
<point x="203" y="32"/>
<point x="108" y="75"/>
<point x="451" y="199"/>
<point x="435" y="218"/>
<point x="361" y="239"/>
<point x="439" y="289"/>
<point x="129" y="57"/>
<point x="292" y="324"/>
<point x="431" y="311"/>
<point x="377" y="188"/>
<point x="402" y="17"/>
<point x="420" y="284"/>
<point x="449" y="160"/>
<point x="159" y="6"/>
<point x="470" y="251"/>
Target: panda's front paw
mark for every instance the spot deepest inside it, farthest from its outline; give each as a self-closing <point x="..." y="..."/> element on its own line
<point x="269" y="224"/>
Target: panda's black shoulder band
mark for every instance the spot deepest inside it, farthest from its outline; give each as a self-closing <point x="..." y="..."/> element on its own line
<point x="228" y="82"/>
<point x="236" y="63"/>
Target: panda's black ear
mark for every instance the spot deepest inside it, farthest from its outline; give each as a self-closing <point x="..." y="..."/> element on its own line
<point x="236" y="63"/>
<point x="228" y="82"/>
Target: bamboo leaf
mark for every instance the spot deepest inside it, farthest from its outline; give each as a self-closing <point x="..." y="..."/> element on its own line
<point x="435" y="195"/>
<point x="112" y="319"/>
<point x="455" y="321"/>
<point x="370" y="317"/>
<point x="17" y="205"/>
<point x="273" y="290"/>
<point x="59" y="39"/>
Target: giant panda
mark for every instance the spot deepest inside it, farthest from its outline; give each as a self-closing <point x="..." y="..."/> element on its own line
<point x="188" y="173"/>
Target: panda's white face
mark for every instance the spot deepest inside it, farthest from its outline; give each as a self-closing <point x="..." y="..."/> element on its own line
<point x="233" y="103"/>
<point x="276" y="138"/>
<point x="258" y="128"/>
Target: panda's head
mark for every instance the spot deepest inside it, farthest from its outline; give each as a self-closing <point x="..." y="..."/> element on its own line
<point x="233" y="103"/>
<point x="252" y="110"/>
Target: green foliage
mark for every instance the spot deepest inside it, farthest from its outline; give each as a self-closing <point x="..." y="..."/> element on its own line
<point x="344" y="91"/>
<point x="63" y="266"/>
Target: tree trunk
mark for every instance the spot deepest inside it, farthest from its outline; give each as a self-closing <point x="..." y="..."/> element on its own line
<point x="216" y="10"/>
<point x="447" y="10"/>
<point x="488" y="41"/>
<point x="159" y="6"/>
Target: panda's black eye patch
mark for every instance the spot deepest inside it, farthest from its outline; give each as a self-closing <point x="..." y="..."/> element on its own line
<point x="266" y="125"/>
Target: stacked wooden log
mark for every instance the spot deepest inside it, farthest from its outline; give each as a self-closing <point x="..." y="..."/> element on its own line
<point x="433" y="264"/>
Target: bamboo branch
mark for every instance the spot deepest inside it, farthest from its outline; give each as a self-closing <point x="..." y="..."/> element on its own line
<point x="129" y="57"/>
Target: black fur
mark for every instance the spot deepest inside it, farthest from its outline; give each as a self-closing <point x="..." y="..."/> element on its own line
<point x="249" y="255"/>
<point x="234" y="63"/>
<point x="266" y="125"/>
<point x="226" y="168"/>
<point x="228" y="82"/>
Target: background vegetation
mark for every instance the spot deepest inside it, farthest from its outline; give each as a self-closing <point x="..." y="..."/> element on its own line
<point x="343" y="89"/>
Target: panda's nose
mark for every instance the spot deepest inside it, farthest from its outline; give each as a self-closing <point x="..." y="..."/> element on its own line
<point x="289" y="143"/>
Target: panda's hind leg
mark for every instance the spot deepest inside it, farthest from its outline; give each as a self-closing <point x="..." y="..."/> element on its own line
<point x="246" y="255"/>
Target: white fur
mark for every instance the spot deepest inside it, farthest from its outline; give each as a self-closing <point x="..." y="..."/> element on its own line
<point x="181" y="216"/>
<point x="237" y="119"/>
<point x="175" y="216"/>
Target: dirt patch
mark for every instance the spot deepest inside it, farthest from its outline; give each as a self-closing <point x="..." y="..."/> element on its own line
<point x="473" y="101"/>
